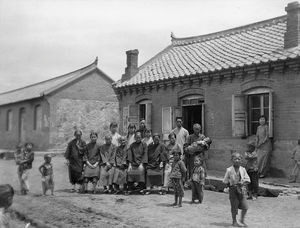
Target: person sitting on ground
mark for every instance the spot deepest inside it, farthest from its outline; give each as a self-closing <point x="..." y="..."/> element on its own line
<point x="197" y="180"/>
<point x="252" y="170"/>
<point x="120" y="173"/>
<point x="148" y="138"/>
<point x="170" y="147"/>
<point x="74" y="156"/>
<point x="107" y="163"/>
<point x="236" y="178"/>
<point x="6" y="200"/>
<point x="296" y="160"/>
<point x="177" y="177"/>
<point x="157" y="158"/>
<point x="92" y="159"/>
<point x="137" y="159"/>
<point x="46" y="169"/>
<point x="115" y="136"/>
<point x="25" y="165"/>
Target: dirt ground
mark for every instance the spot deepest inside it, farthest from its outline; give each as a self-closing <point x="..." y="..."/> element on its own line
<point x="67" y="209"/>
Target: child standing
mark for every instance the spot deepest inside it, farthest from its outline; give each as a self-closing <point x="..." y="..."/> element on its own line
<point x="252" y="170"/>
<point x="197" y="180"/>
<point x="24" y="167"/>
<point x="296" y="159"/>
<point x="46" y="170"/>
<point x="177" y="176"/>
<point x="236" y="178"/>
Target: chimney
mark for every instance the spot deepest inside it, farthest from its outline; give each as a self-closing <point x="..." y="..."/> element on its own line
<point x="132" y="64"/>
<point x="292" y="34"/>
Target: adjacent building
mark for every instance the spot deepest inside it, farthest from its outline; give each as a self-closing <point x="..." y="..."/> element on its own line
<point x="48" y="112"/>
<point x="224" y="81"/>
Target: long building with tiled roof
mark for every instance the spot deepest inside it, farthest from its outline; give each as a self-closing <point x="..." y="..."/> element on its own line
<point x="248" y="45"/>
<point x="223" y="81"/>
<point x="48" y="112"/>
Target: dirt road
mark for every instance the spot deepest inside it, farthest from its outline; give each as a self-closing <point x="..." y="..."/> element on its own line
<point x="67" y="209"/>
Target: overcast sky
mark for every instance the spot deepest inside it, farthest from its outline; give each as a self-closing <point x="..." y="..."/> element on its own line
<point x="42" y="39"/>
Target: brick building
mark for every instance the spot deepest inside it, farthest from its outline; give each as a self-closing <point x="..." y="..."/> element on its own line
<point x="47" y="113"/>
<point x="224" y="81"/>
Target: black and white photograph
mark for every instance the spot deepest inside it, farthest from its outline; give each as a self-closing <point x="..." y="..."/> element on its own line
<point x="149" y="113"/>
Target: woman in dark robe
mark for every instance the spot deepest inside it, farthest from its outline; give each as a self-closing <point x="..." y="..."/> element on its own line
<point x="137" y="159"/>
<point x="157" y="158"/>
<point x="92" y="158"/>
<point x="74" y="155"/>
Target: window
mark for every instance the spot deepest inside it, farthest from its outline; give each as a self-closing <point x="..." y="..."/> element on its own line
<point x="145" y="110"/>
<point x="9" y="120"/>
<point x="37" y="117"/>
<point x="258" y="105"/>
<point x="142" y="111"/>
<point x="247" y="108"/>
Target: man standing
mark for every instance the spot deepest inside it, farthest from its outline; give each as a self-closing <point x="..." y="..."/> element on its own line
<point x="180" y="132"/>
<point x="195" y="146"/>
<point x="142" y="128"/>
<point x="74" y="155"/>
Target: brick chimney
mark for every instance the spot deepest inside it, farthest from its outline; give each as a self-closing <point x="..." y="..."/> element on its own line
<point x="292" y="34"/>
<point x="132" y="64"/>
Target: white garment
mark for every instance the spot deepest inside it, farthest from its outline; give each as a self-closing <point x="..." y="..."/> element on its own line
<point x="181" y="135"/>
<point x="115" y="139"/>
<point x="233" y="178"/>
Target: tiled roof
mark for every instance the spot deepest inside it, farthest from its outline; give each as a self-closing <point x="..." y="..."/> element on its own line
<point x="44" y="87"/>
<point x="256" y="43"/>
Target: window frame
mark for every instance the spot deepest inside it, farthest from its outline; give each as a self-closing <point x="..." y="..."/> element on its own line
<point x="9" y="119"/>
<point x="35" y="117"/>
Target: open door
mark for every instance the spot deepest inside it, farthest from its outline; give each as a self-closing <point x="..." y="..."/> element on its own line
<point x="149" y="115"/>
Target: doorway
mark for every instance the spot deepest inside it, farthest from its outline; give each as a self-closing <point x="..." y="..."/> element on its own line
<point x="191" y="114"/>
<point x="22" y="132"/>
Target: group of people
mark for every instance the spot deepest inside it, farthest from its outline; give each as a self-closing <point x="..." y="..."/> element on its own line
<point x="140" y="161"/>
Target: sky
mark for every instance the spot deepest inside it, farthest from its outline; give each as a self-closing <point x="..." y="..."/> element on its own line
<point x="42" y="39"/>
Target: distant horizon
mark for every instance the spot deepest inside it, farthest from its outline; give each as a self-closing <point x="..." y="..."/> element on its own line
<point x="42" y="42"/>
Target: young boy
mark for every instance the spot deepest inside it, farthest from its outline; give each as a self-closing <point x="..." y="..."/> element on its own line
<point x="177" y="176"/>
<point x="197" y="180"/>
<point x="46" y="170"/>
<point x="296" y="159"/>
<point x="236" y="178"/>
<point x="252" y="170"/>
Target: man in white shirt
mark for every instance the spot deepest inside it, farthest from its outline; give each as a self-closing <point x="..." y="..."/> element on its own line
<point x="180" y="132"/>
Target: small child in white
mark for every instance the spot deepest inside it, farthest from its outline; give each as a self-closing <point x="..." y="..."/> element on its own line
<point x="46" y="169"/>
<point x="236" y="178"/>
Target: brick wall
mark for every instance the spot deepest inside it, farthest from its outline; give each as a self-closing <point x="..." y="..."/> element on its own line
<point x="89" y="104"/>
<point x="40" y="137"/>
<point x="218" y="123"/>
